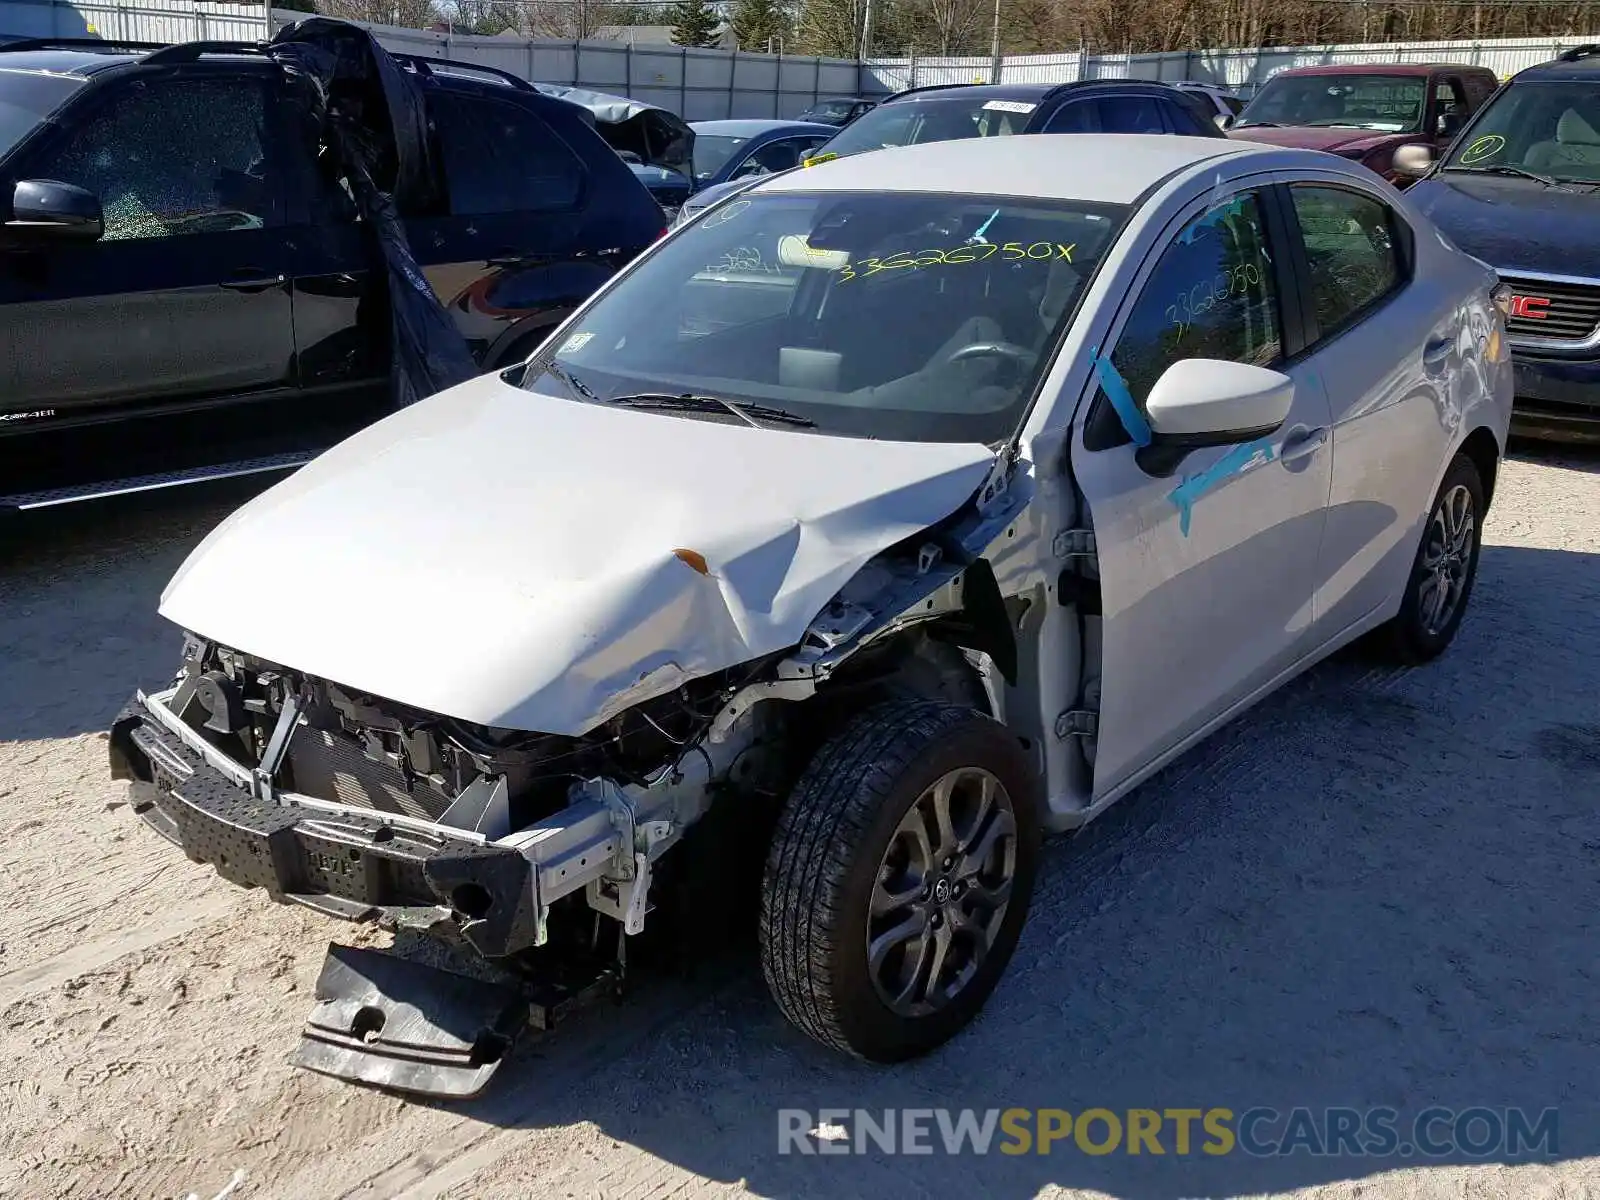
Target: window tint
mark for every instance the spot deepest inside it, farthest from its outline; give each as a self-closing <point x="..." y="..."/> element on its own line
<point x="1077" y="117"/>
<point x="1351" y="246"/>
<point x="1190" y="114"/>
<point x="172" y="158"/>
<point x="25" y="100"/>
<point x="501" y="158"/>
<point x="1212" y="295"/>
<point x="774" y="156"/>
<point x="1130" y="114"/>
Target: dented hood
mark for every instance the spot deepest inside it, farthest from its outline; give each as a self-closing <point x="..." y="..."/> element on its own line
<point x="508" y="558"/>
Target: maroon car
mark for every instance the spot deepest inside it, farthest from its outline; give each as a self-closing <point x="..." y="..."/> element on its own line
<point x="1366" y="111"/>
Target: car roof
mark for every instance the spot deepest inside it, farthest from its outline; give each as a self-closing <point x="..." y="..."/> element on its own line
<point x="1095" y="167"/>
<point x="1019" y="91"/>
<point x="1380" y="69"/>
<point x="1586" y="66"/>
<point x="755" y="126"/>
<point x="67" y="61"/>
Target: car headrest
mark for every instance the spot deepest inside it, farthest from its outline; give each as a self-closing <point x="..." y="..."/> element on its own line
<point x="1572" y="129"/>
<point x="794" y="251"/>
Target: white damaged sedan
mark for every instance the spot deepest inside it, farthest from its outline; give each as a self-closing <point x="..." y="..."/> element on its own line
<point x="912" y="507"/>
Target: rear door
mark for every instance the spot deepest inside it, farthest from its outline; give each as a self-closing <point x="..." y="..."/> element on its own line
<point x="1207" y="572"/>
<point x="512" y="246"/>
<point x="185" y="299"/>
<point x="1383" y="341"/>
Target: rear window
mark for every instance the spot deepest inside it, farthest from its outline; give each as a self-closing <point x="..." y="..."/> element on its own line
<point x="25" y="100"/>
<point x="932" y="119"/>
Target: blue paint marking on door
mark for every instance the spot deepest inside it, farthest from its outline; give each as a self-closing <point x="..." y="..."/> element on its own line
<point x="1237" y="461"/>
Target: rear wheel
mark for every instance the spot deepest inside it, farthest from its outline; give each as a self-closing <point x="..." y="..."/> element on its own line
<point x="899" y="877"/>
<point x="1443" y="571"/>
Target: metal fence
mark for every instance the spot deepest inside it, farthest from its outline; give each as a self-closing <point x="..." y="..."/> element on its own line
<point x="701" y="85"/>
<point x="707" y="84"/>
<point x="1242" y="70"/>
<point x="138" y="20"/>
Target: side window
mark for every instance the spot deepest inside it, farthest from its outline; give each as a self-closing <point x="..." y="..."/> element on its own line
<point x="1182" y="117"/>
<point x="1352" y="249"/>
<point x="1212" y="295"/>
<point x="1449" y="106"/>
<point x="774" y="156"/>
<point x="173" y="157"/>
<point x="501" y="158"/>
<point x="1076" y="117"/>
<point x="1130" y="114"/>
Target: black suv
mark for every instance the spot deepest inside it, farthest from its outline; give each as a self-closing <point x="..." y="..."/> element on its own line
<point x="947" y="111"/>
<point x="207" y="304"/>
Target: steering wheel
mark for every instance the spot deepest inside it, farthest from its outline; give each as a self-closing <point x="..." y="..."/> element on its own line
<point x="1019" y="355"/>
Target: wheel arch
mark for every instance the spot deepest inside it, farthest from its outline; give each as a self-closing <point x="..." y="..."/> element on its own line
<point x="1481" y="447"/>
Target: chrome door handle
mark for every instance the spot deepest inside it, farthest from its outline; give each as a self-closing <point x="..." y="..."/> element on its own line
<point x="1302" y="443"/>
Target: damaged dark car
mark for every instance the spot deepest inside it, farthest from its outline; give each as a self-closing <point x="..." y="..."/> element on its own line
<point x="218" y="259"/>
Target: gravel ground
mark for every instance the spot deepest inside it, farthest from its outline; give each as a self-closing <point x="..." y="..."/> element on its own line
<point x="1376" y="888"/>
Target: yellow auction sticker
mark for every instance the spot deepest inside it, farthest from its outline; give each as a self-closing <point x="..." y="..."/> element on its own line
<point x="1482" y="148"/>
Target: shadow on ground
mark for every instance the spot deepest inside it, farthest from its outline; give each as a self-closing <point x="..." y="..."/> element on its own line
<point x="79" y="586"/>
<point x="1377" y="889"/>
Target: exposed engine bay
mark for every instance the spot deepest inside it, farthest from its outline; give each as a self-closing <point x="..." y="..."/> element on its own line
<point x="539" y="851"/>
<point x="361" y="750"/>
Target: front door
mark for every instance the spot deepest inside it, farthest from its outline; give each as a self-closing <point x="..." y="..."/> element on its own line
<point x="183" y="304"/>
<point x="1207" y="574"/>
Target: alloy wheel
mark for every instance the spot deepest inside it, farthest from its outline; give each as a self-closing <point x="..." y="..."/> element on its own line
<point x="941" y="891"/>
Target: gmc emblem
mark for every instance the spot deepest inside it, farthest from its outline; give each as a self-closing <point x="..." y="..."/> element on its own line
<point x="1533" y="308"/>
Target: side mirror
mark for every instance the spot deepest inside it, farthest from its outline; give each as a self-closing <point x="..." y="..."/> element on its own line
<point x="1200" y="402"/>
<point x="1413" y="161"/>
<point x="43" y="207"/>
<point x="1225" y="121"/>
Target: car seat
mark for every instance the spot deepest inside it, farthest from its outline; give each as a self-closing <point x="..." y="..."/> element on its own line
<point x="1576" y="143"/>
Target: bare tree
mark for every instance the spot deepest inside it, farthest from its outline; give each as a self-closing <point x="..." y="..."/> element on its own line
<point x="412" y="14"/>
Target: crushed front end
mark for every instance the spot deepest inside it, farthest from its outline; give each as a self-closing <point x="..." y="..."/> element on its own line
<point x="358" y="806"/>
<point x="522" y="846"/>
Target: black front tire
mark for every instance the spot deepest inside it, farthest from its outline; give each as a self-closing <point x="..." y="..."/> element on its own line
<point x="1414" y="636"/>
<point x="827" y="858"/>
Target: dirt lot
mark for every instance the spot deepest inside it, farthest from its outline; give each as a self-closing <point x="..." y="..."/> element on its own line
<point x="1378" y="888"/>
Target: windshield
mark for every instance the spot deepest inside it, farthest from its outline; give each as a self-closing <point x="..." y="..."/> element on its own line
<point x="711" y="153"/>
<point x="941" y="119"/>
<point x="25" y="100"/>
<point x="1552" y="129"/>
<point x="905" y="316"/>
<point x="1384" y="103"/>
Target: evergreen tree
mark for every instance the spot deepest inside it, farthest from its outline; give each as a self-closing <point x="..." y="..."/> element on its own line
<point x="756" y="23"/>
<point x="694" y="23"/>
